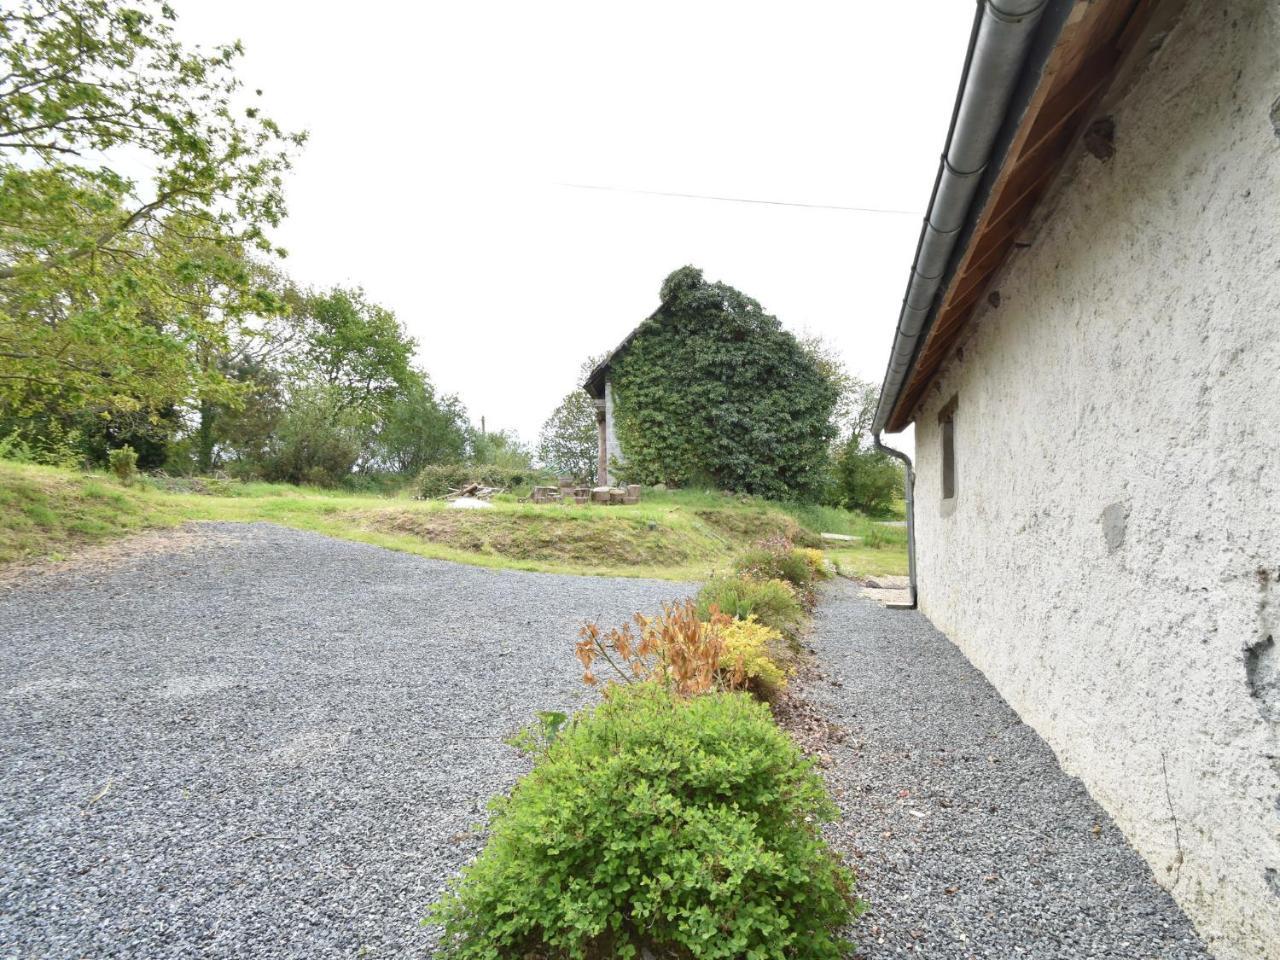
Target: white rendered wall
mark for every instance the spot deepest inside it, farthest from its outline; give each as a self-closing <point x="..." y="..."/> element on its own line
<point x="1112" y="558"/>
<point x="611" y="445"/>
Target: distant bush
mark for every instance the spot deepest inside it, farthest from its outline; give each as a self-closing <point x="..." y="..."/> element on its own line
<point x="758" y="654"/>
<point x="567" y="442"/>
<point x="52" y="446"/>
<point x="318" y="440"/>
<point x="124" y="463"/>
<point x="817" y="562"/>
<point x="863" y="479"/>
<point x="657" y="825"/>
<point x="778" y="559"/>
<point x="772" y="602"/>
<point x="438" y="479"/>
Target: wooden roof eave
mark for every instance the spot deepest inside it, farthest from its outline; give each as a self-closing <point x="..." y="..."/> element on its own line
<point x="1094" y="50"/>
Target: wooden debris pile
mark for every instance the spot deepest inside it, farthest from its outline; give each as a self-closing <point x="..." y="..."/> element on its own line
<point x="474" y="490"/>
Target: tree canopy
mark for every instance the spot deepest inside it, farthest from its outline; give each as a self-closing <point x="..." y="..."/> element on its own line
<point x="108" y="275"/>
<point x="568" y="442"/>
<point x="140" y="298"/>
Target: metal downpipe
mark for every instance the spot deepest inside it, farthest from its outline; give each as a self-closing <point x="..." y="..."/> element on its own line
<point x="911" y="514"/>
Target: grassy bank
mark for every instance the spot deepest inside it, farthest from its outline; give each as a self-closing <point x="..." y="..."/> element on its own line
<point x="45" y="512"/>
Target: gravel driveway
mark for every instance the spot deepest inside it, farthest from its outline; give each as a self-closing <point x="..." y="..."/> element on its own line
<point x="969" y="838"/>
<point x="265" y="743"/>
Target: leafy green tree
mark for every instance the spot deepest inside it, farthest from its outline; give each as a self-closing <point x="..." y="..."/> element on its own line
<point x="248" y="367"/>
<point x="500" y="448"/>
<point x="861" y="477"/>
<point x="418" y="428"/>
<point x="864" y="479"/>
<point x="568" y="440"/>
<point x="95" y="262"/>
<point x="239" y="436"/>
<point x="712" y="389"/>
<point x="357" y="347"/>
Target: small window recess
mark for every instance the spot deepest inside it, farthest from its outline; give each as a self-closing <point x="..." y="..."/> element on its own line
<point x="947" y="424"/>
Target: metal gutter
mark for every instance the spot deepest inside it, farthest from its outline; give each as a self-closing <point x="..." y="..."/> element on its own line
<point x="1002" y="36"/>
<point x="991" y="86"/>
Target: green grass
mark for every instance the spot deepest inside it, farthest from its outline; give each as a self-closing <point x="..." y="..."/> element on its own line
<point x="856" y="560"/>
<point x="676" y="534"/>
<point x="47" y="513"/>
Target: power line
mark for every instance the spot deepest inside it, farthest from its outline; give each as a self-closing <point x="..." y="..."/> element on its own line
<point x="771" y="203"/>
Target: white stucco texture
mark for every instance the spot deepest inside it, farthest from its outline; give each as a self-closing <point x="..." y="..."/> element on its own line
<point x="612" y="448"/>
<point x="1111" y="560"/>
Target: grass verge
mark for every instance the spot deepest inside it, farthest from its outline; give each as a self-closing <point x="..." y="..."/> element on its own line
<point x="678" y="534"/>
<point x="47" y="513"/>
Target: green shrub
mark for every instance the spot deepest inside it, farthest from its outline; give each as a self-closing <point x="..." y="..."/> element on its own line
<point x="865" y="480"/>
<point x="438" y="479"/>
<point x="772" y="602"/>
<point x="687" y="828"/>
<point x="759" y="654"/>
<point x="53" y="445"/>
<point x="764" y="563"/>
<point x="124" y="463"/>
<point x="318" y="441"/>
<point x="778" y="559"/>
<point x="817" y="561"/>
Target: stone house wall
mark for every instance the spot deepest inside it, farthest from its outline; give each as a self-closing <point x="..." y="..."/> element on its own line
<point x="1111" y="557"/>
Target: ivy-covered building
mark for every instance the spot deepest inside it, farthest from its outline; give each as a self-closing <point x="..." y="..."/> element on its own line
<point x="710" y="390"/>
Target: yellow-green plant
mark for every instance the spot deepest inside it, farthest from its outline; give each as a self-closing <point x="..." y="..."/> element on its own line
<point x="757" y="653"/>
<point x="816" y="560"/>
<point x="773" y="602"/>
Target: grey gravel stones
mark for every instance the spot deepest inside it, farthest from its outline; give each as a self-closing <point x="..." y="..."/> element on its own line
<point x="969" y="838"/>
<point x="280" y="745"/>
<point x="277" y="745"/>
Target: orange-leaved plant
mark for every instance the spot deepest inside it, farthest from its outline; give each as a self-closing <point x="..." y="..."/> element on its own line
<point x="674" y="648"/>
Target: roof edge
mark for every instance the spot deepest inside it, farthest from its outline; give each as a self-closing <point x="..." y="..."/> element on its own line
<point x="984" y="62"/>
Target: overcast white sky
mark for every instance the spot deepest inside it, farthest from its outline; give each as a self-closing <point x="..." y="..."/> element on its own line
<point x="440" y="133"/>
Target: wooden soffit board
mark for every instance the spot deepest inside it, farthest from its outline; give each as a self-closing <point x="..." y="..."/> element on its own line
<point x="1093" y="44"/>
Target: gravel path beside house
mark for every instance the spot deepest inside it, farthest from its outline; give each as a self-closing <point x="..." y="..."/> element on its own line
<point x="268" y="743"/>
<point x="969" y="838"/>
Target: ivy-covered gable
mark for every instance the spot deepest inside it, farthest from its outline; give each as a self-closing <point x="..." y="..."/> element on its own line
<point x="712" y="390"/>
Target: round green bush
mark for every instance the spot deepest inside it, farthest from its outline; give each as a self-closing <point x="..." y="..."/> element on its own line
<point x="763" y="563"/>
<point x="689" y="828"/>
